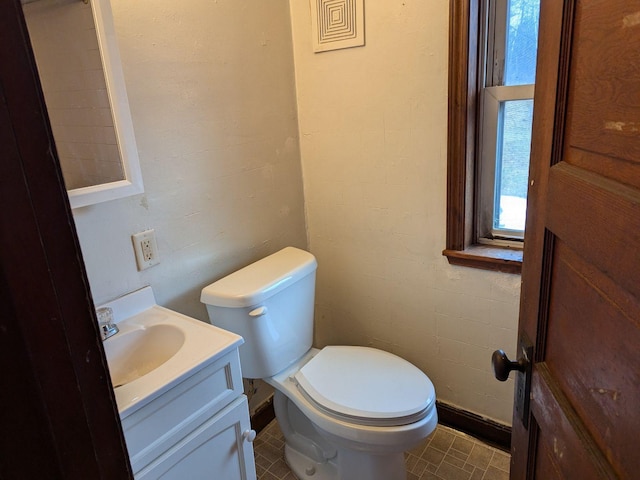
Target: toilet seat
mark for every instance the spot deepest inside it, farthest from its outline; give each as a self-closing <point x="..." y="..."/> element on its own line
<point x="366" y="386"/>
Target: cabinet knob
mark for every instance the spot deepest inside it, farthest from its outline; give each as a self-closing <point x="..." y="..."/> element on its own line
<point x="249" y="435"/>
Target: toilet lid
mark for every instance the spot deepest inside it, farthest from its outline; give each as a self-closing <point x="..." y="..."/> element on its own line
<point x="366" y="386"/>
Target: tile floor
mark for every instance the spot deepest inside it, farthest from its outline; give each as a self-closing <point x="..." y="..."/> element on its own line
<point x="446" y="455"/>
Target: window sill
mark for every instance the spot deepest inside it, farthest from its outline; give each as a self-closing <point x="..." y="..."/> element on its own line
<point x="499" y="259"/>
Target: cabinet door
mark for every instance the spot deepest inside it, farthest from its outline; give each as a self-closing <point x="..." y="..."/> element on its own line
<point x="217" y="449"/>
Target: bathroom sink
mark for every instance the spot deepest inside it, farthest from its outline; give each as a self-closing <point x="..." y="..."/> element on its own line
<point x="157" y="348"/>
<point x="134" y="353"/>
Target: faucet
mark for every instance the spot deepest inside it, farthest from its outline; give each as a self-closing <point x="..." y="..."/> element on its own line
<point x="105" y="322"/>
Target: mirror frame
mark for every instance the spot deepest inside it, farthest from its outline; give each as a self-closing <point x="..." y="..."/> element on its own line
<point x="114" y="78"/>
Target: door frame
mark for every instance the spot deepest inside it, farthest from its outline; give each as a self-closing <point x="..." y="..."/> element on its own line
<point x="57" y="410"/>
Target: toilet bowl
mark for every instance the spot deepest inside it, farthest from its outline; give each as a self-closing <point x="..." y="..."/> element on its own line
<point x="346" y="412"/>
<point x="365" y="430"/>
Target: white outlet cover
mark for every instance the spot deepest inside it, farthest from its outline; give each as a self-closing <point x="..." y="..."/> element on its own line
<point x="152" y="251"/>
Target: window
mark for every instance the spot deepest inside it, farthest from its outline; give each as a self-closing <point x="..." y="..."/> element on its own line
<point x="492" y="59"/>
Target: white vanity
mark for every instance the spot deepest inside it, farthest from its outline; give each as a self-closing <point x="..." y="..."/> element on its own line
<point x="178" y="387"/>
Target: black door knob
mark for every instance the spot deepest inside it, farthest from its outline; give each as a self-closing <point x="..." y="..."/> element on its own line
<point x="502" y="365"/>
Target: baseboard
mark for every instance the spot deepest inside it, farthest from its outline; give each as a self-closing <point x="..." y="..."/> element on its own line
<point x="490" y="432"/>
<point x="263" y="415"/>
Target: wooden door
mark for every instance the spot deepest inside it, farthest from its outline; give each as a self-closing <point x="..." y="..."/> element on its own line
<point x="58" y="416"/>
<point x="580" y="300"/>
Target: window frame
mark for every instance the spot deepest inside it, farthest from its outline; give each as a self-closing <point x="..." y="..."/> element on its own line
<point x="492" y="100"/>
<point x="466" y="80"/>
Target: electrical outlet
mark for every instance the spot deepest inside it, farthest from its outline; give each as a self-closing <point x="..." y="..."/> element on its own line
<point x="146" y="248"/>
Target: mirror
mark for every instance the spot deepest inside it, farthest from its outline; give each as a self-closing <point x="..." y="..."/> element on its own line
<point x="79" y="66"/>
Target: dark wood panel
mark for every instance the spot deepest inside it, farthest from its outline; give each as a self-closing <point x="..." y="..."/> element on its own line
<point x="462" y="136"/>
<point x="47" y="301"/>
<point x="486" y="257"/>
<point x="582" y="199"/>
<point x="604" y="99"/>
<point x="22" y="411"/>
<point x="570" y="449"/>
<point x="463" y="61"/>
<point x="490" y="432"/>
<point x="547" y="467"/>
<point x="613" y="221"/>
<point x="486" y="430"/>
<point x="39" y="320"/>
<point x="263" y="416"/>
<point x="593" y="341"/>
<point x="615" y="168"/>
<point x="550" y="71"/>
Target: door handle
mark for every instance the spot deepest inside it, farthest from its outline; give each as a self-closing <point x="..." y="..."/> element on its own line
<point x="502" y="366"/>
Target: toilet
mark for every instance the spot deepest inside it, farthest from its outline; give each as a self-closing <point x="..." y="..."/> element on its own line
<point x="346" y="412"/>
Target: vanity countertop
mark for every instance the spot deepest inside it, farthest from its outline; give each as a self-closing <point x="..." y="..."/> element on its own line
<point x="202" y="344"/>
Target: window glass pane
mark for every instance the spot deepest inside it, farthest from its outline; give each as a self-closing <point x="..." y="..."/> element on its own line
<point x="512" y="164"/>
<point x="522" y="42"/>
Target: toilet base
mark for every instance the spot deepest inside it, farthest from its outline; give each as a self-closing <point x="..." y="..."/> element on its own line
<point x="314" y="453"/>
<point x="353" y="466"/>
<point x="305" y="468"/>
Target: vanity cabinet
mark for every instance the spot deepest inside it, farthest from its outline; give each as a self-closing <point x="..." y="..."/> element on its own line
<point x="198" y="429"/>
<point x="219" y="448"/>
<point x="180" y="398"/>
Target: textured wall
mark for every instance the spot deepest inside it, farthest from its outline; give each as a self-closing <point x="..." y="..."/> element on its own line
<point x="373" y="125"/>
<point x="212" y="95"/>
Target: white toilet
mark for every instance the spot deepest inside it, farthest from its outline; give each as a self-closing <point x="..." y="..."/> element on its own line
<point x="346" y="412"/>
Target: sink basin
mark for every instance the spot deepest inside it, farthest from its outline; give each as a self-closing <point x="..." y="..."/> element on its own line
<point x="157" y="349"/>
<point x="134" y="353"/>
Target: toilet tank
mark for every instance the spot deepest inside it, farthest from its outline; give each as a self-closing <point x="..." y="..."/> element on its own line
<point x="270" y="304"/>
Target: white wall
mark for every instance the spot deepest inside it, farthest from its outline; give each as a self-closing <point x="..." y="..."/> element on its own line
<point x="212" y="95"/>
<point x="373" y="125"/>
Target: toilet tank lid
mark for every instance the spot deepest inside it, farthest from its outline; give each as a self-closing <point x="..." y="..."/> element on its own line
<point x="255" y="283"/>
